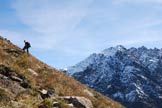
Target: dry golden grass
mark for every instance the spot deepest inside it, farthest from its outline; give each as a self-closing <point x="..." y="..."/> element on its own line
<point x="47" y="78"/>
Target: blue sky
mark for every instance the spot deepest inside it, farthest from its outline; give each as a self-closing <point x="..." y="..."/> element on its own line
<point x="64" y="32"/>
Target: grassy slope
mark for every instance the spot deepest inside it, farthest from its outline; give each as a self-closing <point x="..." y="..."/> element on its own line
<point x="48" y="77"/>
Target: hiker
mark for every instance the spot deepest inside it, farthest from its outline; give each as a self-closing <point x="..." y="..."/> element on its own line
<point x="27" y="46"/>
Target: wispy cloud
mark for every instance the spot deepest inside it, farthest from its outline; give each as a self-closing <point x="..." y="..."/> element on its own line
<point x="71" y="29"/>
<point x="54" y="20"/>
<point x="46" y="18"/>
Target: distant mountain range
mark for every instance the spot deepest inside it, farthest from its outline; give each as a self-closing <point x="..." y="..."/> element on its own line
<point x="131" y="76"/>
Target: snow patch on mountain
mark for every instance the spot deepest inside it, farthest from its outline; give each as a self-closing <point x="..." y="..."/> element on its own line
<point x="131" y="76"/>
<point x="112" y="50"/>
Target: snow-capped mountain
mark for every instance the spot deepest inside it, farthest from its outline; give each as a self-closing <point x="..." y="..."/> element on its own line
<point x="131" y="76"/>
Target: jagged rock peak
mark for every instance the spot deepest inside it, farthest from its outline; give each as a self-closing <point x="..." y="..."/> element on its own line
<point x="143" y="48"/>
<point x="112" y="50"/>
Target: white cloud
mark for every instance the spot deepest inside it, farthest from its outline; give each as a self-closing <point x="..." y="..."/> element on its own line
<point x="80" y="27"/>
<point x="54" y="20"/>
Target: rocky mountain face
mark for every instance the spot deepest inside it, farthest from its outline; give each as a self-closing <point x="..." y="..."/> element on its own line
<point x="130" y="76"/>
<point x="26" y="82"/>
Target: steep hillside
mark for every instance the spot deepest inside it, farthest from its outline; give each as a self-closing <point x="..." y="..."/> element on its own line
<point x="131" y="76"/>
<point x="26" y="82"/>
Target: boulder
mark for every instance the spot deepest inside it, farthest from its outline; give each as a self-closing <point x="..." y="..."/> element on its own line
<point x="56" y="104"/>
<point x="50" y="93"/>
<point x="17" y="79"/>
<point x="32" y="72"/>
<point x="78" y="102"/>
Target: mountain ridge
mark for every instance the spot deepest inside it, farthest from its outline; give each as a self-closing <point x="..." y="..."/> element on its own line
<point x="131" y="76"/>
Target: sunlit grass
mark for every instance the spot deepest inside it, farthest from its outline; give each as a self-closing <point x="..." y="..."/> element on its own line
<point x="47" y="78"/>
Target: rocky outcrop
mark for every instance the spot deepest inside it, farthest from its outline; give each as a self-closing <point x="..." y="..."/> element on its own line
<point x="78" y="102"/>
<point x="14" y="52"/>
<point x="67" y="102"/>
<point x="71" y="101"/>
<point x="12" y="80"/>
<point x="50" y="93"/>
<point x="17" y="83"/>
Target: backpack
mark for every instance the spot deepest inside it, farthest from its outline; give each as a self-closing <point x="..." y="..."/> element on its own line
<point x="28" y="44"/>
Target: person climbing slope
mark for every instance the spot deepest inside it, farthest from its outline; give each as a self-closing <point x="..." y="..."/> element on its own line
<point x="27" y="46"/>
